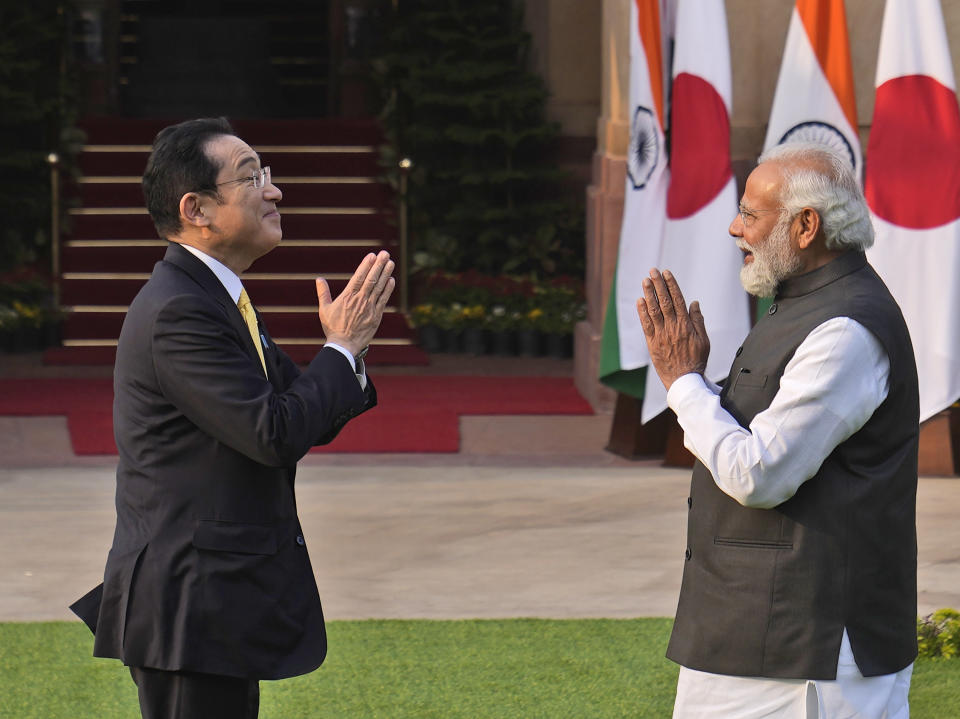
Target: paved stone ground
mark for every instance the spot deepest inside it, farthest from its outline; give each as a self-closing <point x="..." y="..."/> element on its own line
<point x="492" y="536"/>
<point x="531" y="518"/>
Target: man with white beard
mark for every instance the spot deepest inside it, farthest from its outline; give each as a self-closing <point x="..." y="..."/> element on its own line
<point x="799" y="586"/>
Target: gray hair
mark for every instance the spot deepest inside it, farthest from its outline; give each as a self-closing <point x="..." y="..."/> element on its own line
<point x="817" y="176"/>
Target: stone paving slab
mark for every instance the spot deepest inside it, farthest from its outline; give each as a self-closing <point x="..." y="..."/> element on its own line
<point x="503" y="537"/>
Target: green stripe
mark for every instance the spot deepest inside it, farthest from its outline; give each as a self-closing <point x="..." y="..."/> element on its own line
<point x="610" y="342"/>
<point x="629" y="382"/>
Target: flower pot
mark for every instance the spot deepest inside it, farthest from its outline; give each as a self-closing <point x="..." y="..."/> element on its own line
<point x="26" y="339"/>
<point x="51" y="335"/>
<point x="559" y="346"/>
<point x="504" y="343"/>
<point x="474" y="341"/>
<point x="451" y="341"/>
<point x="431" y="338"/>
<point x="528" y="343"/>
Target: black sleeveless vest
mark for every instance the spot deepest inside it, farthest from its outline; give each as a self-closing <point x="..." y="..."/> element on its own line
<point x="768" y="592"/>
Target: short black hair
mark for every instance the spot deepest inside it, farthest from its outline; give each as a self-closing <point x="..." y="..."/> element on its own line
<point x="179" y="164"/>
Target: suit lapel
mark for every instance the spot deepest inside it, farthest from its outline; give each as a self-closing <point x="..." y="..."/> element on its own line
<point x="203" y="276"/>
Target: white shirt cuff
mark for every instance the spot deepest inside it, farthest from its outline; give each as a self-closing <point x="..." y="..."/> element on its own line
<point x="685" y="386"/>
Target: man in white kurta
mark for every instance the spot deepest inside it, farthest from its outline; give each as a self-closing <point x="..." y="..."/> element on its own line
<point x="830" y="388"/>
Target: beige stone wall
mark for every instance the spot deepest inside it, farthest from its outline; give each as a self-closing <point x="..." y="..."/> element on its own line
<point x="605" y="197"/>
<point x="566" y="53"/>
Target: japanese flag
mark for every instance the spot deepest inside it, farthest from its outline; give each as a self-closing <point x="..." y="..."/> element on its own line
<point x="702" y="195"/>
<point x="912" y="185"/>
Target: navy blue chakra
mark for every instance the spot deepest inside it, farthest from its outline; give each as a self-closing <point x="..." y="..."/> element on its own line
<point x="822" y="133"/>
<point x="644" y="149"/>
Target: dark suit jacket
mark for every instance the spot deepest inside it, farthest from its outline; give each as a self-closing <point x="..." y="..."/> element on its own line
<point x="209" y="571"/>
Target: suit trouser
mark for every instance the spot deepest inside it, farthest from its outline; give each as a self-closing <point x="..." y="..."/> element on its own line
<point x="191" y="695"/>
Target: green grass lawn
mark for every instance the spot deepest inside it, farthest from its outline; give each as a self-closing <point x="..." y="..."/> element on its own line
<point x="400" y="669"/>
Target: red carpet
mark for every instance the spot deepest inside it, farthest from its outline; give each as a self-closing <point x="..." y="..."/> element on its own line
<point x="380" y="355"/>
<point x="415" y="414"/>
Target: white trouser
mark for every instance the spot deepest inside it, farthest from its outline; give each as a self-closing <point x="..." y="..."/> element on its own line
<point x="850" y="696"/>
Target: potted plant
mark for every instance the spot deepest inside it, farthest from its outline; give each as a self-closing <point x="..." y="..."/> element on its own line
<point x="51" y="326"/>
<point x="502" y="323"/>
<point x="9" y="320"/>
<point x="528" y="334"/>
<point x="27" y="335"/>
<point x="424" y="318"/>
<point x="473" y="337"/>
<point x="450" y="323"/>
<point x="562" y="308"/>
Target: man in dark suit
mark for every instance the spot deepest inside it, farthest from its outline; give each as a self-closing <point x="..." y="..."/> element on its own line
<point x="208" y="587"/>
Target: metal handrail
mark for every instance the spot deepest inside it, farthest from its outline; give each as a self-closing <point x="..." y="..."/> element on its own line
<point x="405" y="165"/>
<point x="54" y="161"/>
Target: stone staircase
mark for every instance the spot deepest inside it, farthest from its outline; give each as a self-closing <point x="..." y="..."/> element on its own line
<point x="334" y="209"/>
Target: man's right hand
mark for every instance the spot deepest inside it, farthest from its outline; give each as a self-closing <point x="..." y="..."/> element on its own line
<point x="676" y="338"/>
<point x="352" y="319"/>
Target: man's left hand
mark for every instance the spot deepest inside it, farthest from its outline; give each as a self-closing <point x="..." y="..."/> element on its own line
<point x="353" y="318"/>
<point x="677" y="339"/>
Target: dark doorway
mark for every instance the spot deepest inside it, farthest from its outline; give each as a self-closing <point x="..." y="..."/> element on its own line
<point x="244" y="58"/>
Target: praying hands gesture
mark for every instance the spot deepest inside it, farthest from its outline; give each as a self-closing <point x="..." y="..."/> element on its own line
<point x="353" y="318"/>
<point x="677" y="339"/>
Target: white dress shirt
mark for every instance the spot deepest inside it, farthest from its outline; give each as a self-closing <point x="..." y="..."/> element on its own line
<point x="232" y="284"/>
<point x="831" y="386"/>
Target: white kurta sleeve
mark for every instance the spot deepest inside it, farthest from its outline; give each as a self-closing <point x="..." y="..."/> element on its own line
<point x="831" y="386"/>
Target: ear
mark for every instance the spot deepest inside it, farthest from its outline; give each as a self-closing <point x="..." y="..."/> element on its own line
<point x="192" y="208"/>
<point x="808" y="223"/>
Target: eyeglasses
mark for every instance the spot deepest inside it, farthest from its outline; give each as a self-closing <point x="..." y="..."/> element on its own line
<point x="259" y="178"/>
<point x="749" y="216"/>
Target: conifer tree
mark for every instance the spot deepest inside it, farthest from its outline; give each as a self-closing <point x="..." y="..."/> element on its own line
<point x="31" y="117"/>
<point x="463" y="105"/>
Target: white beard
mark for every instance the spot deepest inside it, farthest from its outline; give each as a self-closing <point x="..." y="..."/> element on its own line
<point x="773" y="262"/>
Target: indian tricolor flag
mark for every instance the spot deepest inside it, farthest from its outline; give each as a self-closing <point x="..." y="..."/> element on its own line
<point x="624" y="349"/>
<point x="912" y="185"/>
<point x="814" y="101"/>
<point x="702" y="197"/>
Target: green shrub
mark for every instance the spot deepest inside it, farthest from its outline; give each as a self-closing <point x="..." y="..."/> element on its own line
<point x="938" y="634"/>
<point x="459" y="98"/>
<point x="38" y="106"/>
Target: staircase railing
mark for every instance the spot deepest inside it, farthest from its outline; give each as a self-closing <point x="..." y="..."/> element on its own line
<point x="54" y="161"/>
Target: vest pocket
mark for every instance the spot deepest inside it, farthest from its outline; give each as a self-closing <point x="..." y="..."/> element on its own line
<point x="752" y="543"/>
<point x="746" y="378"/>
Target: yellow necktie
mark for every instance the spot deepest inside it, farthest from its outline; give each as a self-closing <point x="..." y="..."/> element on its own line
<point x="250" y="317"/>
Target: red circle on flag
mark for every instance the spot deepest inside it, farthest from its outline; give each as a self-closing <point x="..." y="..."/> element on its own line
<point x="913" y="159"/>
<point x="699" y="145"/>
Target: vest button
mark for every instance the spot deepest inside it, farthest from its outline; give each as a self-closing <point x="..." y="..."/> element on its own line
<point x="772" y="310"/>
<point x="739" y="351"/>
<point x="300" y="540"/>
<point x="689" y="501"/>
<point x="688" y="554"/>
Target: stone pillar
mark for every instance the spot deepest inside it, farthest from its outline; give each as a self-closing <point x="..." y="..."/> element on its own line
<point x="565" y="52"/>
<point x="605" y="200"/>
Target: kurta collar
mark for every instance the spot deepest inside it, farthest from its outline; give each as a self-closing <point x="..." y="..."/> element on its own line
<point x="804" y="284"/>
